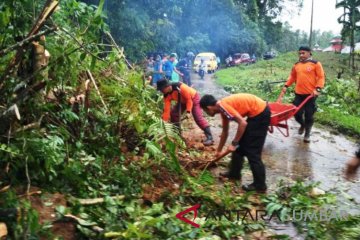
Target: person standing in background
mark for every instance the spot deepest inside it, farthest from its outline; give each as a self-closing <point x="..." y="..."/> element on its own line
<point x="175" y="75"/>
<point x="183" y="67"/>
<point x="309" y="78"/>
<point x="158" y="73"/>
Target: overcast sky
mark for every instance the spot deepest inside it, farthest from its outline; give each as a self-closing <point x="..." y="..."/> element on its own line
<point x="325" y="16"/>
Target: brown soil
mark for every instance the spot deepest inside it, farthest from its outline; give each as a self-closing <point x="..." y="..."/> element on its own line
<point x="167" y="183"/>
<point x="45" y="204"/>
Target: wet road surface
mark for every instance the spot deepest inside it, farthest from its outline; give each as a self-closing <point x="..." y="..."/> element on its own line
<point x="290" y="158"/>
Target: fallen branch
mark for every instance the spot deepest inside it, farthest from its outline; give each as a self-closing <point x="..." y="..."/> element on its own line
<point x="46" y="12"/>
<point x="30" y="126"/>
<point x="26" y="41"/>
<point x="120" y="51"/>
<point x="4" y="189"/>
<point x="83" y="223"/>
<point x="97" y="89"/>
<point x="48" y="9"/>
<point x="27" y="194"/>
<point x="93" y="201"/>
<point x="81" y="45"/>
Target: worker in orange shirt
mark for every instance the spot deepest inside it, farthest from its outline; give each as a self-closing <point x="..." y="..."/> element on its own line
<point x="189" y="101"/>
<point x="309" y="77"/>
<point x="252" y="115"/>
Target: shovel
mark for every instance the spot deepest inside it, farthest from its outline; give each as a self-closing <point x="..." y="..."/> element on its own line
<point x="212" y="162"/>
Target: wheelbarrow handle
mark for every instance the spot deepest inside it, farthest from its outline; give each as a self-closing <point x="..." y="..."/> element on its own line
<point x="304" y="102"/>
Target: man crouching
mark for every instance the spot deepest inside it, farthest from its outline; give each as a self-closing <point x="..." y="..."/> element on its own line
<point x="250" y="135"/>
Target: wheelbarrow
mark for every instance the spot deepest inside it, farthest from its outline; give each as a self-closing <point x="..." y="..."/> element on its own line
<point x="281" y="112"/>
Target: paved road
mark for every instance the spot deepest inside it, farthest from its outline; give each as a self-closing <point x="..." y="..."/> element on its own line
<point x="290" y="158"/>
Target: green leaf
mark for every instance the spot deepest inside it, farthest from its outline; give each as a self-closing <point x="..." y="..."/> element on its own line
<point x="100" y="8"/>
<point x="61" y="209"/>
<point x="82" y="56"/>
<point x="171" y="148"/>
<point x="271" y="207"/>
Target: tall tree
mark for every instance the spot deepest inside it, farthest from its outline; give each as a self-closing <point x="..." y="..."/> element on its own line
<point x="349" y="19"/>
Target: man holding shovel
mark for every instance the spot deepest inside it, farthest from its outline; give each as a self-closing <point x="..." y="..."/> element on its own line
<point x="253" y="118"/>
<point x="187" y="99"/>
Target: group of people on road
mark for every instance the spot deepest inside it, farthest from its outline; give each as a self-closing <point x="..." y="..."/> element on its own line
<point x="168" y="66"/>
<point x="252" y="115"/>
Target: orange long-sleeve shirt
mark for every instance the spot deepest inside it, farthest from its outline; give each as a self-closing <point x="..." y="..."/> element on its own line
<point x="247" y="105"/>
<point x="307" y="75"/>
<point x="187" y="94"/>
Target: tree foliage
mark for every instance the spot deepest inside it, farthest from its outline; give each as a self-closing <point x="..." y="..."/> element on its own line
<point x="223" y="27"/>
<point x="349" y="19"/>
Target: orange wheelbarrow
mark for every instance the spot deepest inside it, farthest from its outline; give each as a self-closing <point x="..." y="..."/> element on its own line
<point x="280" y="113"/>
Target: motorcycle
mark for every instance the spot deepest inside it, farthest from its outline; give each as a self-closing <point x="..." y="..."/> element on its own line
<point x="202" y="70"/>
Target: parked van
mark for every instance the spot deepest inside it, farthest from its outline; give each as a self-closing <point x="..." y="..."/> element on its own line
<point x="210" y="61"/>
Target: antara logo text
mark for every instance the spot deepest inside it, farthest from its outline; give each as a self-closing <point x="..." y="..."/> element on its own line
<point x="325" y="214"/>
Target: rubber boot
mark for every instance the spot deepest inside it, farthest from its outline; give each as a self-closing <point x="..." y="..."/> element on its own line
<point x="301" y="130"/>
<point x="209" y="139"/>
<point x="307" y="134"/>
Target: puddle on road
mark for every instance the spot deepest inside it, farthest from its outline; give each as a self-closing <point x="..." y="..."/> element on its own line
<point x="323" y="160"/>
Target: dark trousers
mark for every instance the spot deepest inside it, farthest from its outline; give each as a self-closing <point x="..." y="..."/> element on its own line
<point x="307" y="110"/>
<point x="186" y="79"/>
<point x="251" y="145"/>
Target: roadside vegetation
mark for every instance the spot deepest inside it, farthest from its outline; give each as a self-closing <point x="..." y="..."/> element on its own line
<point x="338" y="105"/>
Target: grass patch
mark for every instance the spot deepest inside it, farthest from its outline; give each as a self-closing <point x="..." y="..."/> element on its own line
<point x="344" y="123"/>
